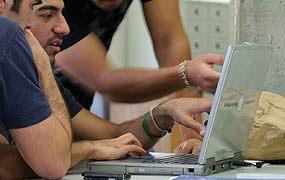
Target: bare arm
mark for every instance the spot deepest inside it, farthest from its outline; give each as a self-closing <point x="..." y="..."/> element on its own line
<point x="86" y="62"/>
<point x="99" y="139"/>
<point x="169" y="39"/>
<point x="171" y="47"/>
<point x="184" y="111"/>
<point x="46" y="146"/>
<point x="171" y="43"/>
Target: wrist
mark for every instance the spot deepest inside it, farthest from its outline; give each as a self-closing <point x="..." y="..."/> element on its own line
<point x="162" y="117"/>
<point x="147" y="130"/>
<point x="168" y="130"/>
<point x="184" y="76"/>
<point x="81" y="152"/>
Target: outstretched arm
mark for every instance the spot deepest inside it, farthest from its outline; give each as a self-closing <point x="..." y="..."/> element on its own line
<point x="184" y="111"/>
<point x="85" y="61"/>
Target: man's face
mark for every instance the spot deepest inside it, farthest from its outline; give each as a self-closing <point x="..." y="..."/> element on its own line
<point x="49" y="26"/>
<point x="20" y="14"/>
<point x="107" y="4"/>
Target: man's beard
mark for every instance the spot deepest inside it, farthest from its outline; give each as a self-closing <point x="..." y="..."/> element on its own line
<point x="52" y="59"/>
<point x="51" y="54"/>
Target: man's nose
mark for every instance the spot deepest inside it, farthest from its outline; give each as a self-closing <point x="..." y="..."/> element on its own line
<point x="62" y="27"/>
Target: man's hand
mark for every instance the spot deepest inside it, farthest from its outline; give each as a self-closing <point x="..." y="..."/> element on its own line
<point x="191" y="146"/>
<point x="115" y="148"/>
<point x="184" y="111"/>
<point x="200" y="71"/>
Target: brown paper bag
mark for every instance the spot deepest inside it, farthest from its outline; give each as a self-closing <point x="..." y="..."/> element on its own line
<point x="267" y="137"/>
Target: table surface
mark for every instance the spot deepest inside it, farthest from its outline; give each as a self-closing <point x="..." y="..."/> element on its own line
<point x="266" y="169"/>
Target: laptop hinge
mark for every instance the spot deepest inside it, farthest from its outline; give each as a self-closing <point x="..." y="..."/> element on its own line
<point x="238" y="156"/>
<point x="210" y="161"/>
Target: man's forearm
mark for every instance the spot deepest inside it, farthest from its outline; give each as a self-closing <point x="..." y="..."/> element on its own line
<point x="150" y="85"/>
<point x="135" y="127"/>
<point x="48" y="84"/>
<point x="138" y="85"/>
<point x="176" y="50"/>
<point x="60" y="113"/>
<point x="173" y="52"/>
<point x="57" y="104"/>
<point x="183" y="110"/>
<point x="79" y="152"/>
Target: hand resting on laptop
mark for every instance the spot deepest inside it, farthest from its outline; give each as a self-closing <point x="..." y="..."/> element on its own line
<point x="132" y="139"/>
<point x="191" y="146"/>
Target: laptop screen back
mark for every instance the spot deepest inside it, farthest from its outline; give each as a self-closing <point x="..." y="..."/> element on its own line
<point x="235" y="102"/>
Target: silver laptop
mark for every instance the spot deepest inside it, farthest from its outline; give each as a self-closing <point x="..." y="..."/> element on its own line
<point x="234" y="106"/>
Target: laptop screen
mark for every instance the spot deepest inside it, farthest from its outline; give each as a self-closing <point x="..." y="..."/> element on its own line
<point x="235" y="102"/>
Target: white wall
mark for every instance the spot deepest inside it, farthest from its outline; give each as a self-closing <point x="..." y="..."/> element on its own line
<point x="140" y="51"/>
<point x="118" y="49"/>
<point x="264" y="22"/>
<point x="132" y="46"/>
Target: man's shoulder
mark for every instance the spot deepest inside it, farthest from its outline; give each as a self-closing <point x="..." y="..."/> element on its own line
<point x="7" y="26"/>
<point x="8" y="33"/>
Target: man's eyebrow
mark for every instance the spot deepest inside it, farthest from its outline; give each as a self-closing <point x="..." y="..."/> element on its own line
<point x="37" y="3"/>
<point x="53" y="8"/>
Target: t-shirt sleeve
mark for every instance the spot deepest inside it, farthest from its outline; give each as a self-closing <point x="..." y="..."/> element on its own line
<point x="24" y="102"/>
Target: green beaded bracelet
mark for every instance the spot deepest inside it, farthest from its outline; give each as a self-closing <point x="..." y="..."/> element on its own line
<point x="146" y="130"/>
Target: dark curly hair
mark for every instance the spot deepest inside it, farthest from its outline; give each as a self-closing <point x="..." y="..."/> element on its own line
<point x="16" y="6"/>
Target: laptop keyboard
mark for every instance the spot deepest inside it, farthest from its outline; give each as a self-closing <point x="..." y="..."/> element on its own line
<point x="174" y="159"/>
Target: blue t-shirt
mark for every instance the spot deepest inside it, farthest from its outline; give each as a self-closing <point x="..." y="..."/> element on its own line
<point x="22" y="102"/>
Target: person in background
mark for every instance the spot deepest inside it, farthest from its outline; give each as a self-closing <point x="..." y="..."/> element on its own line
<point x="83" y="69"/>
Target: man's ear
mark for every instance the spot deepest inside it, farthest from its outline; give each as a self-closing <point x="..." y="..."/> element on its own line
<point x="2" y="5"/>
<point x="28" y="25"/>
